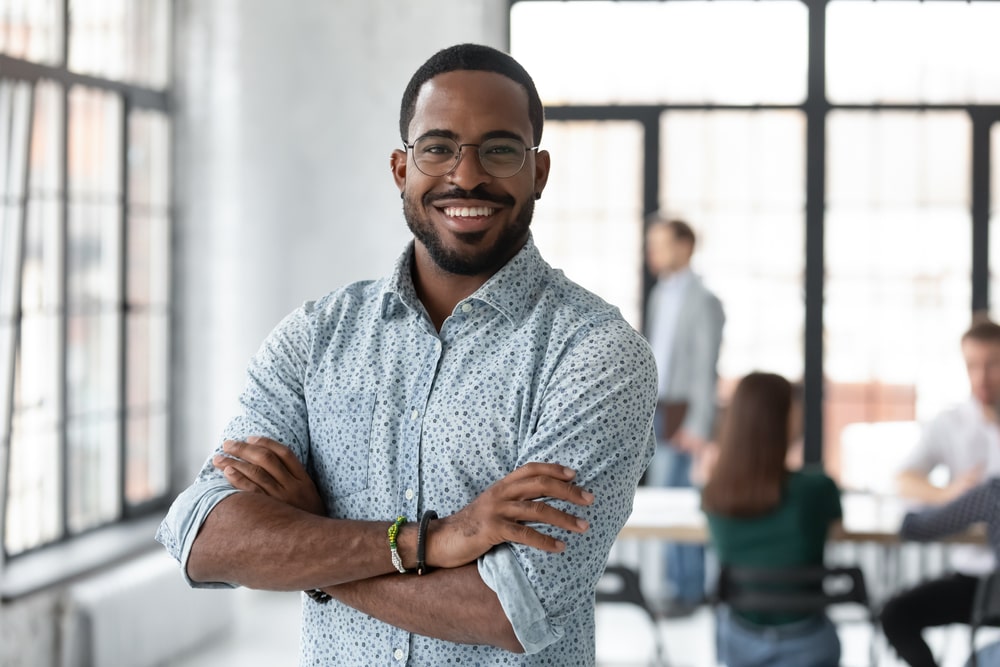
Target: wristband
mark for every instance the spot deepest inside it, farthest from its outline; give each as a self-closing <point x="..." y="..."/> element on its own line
<point x="393" y="533"/>
<point x="425" y="519"/>
<point x="318" y="596"/>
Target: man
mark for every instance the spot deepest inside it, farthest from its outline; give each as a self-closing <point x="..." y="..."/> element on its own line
<point x="965" y="440"/>
<point x="684" y="322"/>
<point x="475" y="384"/>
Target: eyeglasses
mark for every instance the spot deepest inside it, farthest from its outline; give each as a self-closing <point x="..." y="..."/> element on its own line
<point x="501" y="157"/>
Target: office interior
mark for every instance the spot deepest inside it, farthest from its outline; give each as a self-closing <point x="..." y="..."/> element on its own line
<point x="178" y="175"/>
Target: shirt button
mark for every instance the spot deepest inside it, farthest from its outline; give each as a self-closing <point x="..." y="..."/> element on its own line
<point x="466" y="307"/>
<point x="398" y="654"/>
<point x="409" y="494"/>
<point x="414" y="415"/>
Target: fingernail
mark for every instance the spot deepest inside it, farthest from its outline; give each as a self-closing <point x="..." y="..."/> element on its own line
<point x="588" y="496"/>
<point x="560" y="545"/>
<point x="569" y="472"/>
<point x="253" y="439"/>
<point x="582" y="525"/>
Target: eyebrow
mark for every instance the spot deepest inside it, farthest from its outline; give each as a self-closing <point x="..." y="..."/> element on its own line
<point x="495" y="134"/>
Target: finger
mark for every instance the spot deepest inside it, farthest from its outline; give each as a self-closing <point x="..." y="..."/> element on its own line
<point x="240" y="481"/>
<point x="546" y="487"/>
<point x="257" y="475"/>
<point x="541" y="512"/>
<point x="520" y="534"/>
<point x="537" y="468"/>
<point x="272" y="456"/>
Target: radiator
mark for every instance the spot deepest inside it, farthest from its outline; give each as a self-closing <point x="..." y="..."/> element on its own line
<point x="139" y="614"/>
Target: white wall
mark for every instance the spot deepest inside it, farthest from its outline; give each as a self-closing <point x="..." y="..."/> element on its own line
<point x="286" y="115"/>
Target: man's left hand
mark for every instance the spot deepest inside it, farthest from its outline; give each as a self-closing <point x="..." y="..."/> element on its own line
<point x="262" y="465"/>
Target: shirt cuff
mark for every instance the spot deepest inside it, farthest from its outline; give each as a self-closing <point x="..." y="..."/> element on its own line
<point x="501" y="571"/>
<point x="188" y="512"/>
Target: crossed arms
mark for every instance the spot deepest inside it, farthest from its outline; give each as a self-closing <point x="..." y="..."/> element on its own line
<point x="276" y="536"/>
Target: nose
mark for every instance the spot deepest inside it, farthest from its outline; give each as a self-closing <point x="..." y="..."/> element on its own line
<point x="468" y="172"/>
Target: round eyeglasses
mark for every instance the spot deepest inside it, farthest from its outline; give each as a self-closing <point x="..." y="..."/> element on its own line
<point x="501" y="157"/>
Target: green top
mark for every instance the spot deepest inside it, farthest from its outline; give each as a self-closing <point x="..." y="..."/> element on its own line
<point x="794" y="533"/>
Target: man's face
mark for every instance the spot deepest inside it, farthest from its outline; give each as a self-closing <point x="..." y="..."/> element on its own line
<point x="665" y="254"/>
<point x="982" y="361"/>
<point x="469" y="222"/>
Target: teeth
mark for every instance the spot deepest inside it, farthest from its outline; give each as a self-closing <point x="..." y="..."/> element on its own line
<point x="468" y="211"/>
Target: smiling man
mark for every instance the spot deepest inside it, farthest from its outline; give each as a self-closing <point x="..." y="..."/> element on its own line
<point x="441" y="458"/>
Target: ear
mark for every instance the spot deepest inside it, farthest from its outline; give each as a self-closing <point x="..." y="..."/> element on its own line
<point x="542" y="164"/>
<point x="397" y="162"/>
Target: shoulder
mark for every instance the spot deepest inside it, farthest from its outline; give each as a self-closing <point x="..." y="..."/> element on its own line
<point x="812" y="480"/>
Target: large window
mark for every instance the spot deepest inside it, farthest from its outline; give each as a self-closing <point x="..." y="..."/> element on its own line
<point x="839" y="162"/>
<point x="84" y="265"/>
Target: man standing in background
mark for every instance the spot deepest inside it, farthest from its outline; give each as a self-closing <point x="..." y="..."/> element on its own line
<point x="684" y="323"/>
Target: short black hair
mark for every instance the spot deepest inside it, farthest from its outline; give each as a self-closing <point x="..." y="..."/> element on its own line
<point x="472" y="57"/>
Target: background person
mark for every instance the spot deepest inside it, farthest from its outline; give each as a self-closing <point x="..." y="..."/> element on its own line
<point x="964" y="440"/>
<point x="763" y="515"/>
<point x="684" y="322"/>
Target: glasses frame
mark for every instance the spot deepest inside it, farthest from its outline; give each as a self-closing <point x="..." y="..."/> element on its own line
<point x="459" y="154"/>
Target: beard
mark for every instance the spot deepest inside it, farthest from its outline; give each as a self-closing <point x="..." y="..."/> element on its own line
<point x="469" y="260"/>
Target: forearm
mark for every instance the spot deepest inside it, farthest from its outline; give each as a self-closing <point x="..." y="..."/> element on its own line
<point x="258" y="542"/>
<point x="449" y="604"/>
<point x="977" y="505"/>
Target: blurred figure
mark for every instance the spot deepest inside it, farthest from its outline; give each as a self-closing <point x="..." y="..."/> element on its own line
<point x="964" y="440"/>
<point x="980" y="504"/>
<point x="684" y="323"/>
<point x="760" y="514"/>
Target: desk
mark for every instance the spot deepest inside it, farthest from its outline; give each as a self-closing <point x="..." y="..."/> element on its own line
<point x="675" y="515"/>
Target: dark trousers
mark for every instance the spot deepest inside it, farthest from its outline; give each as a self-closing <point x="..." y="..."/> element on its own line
<point x="933" y="603"/>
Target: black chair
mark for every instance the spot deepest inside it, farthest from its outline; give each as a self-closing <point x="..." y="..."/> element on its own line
<point x="794" y="589"/>
<point x="985" y="609"/>
<point x="621" y="584"/>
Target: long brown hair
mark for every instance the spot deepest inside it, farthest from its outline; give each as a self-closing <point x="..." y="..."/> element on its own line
<point x="749" y="475"/>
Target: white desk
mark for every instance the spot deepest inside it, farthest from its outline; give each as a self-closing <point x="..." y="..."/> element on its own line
<point x="675" y="515"/>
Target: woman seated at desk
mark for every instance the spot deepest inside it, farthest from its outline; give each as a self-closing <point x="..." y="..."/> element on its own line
<point x="761" y="514"/>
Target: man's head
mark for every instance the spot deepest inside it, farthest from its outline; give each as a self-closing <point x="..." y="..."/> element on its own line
<point x="469" y="221"/>
<point x="669" y="245"/>
<point x="981" y="351"/>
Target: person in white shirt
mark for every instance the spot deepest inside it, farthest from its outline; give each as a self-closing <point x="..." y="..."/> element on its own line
<point x="966" y="441"/>
<point x="684" y="322"/>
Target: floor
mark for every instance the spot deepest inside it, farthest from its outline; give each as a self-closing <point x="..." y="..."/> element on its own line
<point x="265" y="633"/>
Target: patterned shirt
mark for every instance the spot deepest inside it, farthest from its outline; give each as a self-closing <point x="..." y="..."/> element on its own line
<point x="392" y="417"/>
<point x="979" y="504"/>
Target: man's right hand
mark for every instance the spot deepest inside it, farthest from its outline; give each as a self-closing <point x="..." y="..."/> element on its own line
<point x="501" y="514"/>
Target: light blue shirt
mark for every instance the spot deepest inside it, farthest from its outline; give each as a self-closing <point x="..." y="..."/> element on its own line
<point x="668" y="297"/>
<point x="392" y="417"/>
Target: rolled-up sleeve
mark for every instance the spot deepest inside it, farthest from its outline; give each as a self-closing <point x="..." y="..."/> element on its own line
<point x="596" y="417"/>
<point x="188" y="512"/>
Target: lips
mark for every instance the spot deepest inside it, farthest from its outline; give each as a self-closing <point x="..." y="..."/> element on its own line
<point x="468" y="219"/>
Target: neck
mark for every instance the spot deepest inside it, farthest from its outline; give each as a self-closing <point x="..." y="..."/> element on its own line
<point x="439" y="290"/>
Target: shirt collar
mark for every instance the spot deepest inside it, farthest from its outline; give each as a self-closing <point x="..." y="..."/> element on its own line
<point x="512" y="290"/>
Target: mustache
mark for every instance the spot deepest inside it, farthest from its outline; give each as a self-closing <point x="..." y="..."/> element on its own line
<point x="474" y="193"/>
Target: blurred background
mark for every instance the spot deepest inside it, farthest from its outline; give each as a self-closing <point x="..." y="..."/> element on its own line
<point x="176" y="176"/>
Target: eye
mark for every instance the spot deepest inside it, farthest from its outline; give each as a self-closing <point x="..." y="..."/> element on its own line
<point x="437" y="149"/>
<point x="501" y="148"/>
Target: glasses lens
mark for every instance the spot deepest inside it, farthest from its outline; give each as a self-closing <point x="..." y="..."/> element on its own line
<point x="502" y="157"/>
<point x="435" y="156"/>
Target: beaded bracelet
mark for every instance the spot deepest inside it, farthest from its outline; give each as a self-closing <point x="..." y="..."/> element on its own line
<point x="425" y="519"/>
<point x="393" y="532"/>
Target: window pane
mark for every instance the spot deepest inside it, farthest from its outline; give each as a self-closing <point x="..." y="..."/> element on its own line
<point x="696" y="51"/>
<point x="148" y="463"/>
<point x="125" y="40"/>
<point x="913" y="52"/>
<point x="995" y="221"/>
<point x="898" y="235"/>
<point x="147" y="369"/>
<point x="32" y="30"/>
<point x="33" y="490"/>
<point x="92" y="446"/>
<point x="93" y="257"/>
<point x="95" y="145"/>
<point x="148" y="165"/>
<point x="14" y="109"/>
<point x="589" y="221"/>
<point x="737" y="178"/>
<point x="93" y="344"/>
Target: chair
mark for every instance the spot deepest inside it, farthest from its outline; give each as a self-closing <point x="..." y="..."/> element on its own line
<point x="985" y="609"/>
<point x="624" y="588"/>
<point x="794" y="589"/>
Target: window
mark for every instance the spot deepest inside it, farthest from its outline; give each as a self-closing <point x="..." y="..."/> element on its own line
<point x="839" y="162"/>
<point x="84" y="264"/>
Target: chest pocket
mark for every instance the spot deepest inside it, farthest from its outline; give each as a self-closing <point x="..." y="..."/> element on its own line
<point x="341" y="431"/>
